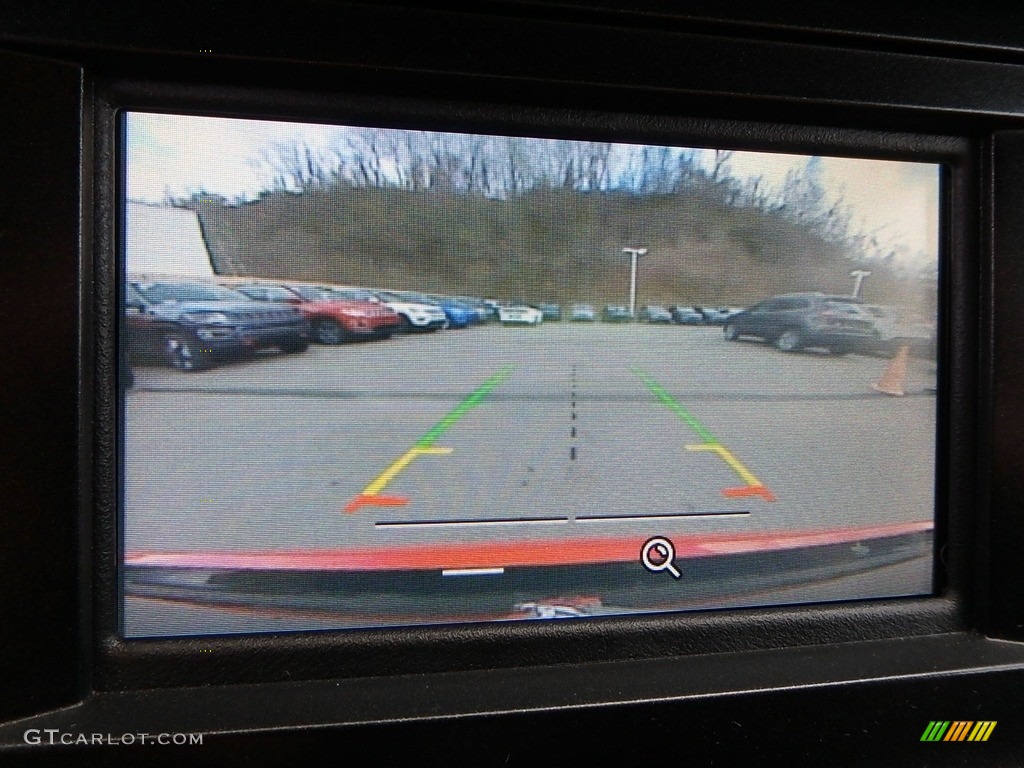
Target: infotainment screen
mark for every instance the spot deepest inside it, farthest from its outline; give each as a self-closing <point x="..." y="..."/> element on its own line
<point x="382" y="377"/>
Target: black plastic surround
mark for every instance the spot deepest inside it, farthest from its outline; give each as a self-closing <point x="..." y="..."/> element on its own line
<point x="742" y="683"/>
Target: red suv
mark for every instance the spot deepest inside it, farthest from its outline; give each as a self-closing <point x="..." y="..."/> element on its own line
<point x="334" y="316"/>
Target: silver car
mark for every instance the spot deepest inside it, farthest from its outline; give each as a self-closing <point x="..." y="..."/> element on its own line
<point x="582" y="313"/>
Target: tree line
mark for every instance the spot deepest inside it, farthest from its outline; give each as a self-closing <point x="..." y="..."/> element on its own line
<point x="506" y="167"/>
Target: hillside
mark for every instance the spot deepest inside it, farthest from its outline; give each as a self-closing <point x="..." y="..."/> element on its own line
<point x="548" y="244"/>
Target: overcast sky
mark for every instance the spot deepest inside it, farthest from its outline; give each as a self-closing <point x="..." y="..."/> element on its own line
<point x="899" y="200"/>
<point x="177" y="155"/>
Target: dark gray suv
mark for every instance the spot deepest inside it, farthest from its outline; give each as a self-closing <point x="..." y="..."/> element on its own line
<point x="190" y="324"/>
<point x="793" y="321"/>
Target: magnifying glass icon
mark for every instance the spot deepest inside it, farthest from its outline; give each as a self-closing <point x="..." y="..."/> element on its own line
<point x="658" y="554"/>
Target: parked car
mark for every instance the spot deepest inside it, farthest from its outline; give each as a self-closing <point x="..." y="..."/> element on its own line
<point x="884" y="319"/>
<point x="191" y="324"/>
<point x="459" y="314"/>
<point x="125" y="372"/>
<point x="655" y="314"/>
<point x="797" y="320"/>
<point x="582" y="313"/>
<point x="616" y="314"/>
<point x="550" y="310"/>
<point x="335" y="315"/>
<point x="413" y="315"/>
<point x="485" y="313"/>
<point x="716" y="315"/>
<point x="687" y="315"/>
<point x="895" y="331"/>
<point x="520" y="314"/>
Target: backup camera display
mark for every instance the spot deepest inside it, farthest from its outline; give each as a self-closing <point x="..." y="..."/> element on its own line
<point x="376" y="377"/>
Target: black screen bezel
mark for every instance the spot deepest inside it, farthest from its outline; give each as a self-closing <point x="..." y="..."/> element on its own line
<point x="903" y="69"/>
<point x="126" y="664"/>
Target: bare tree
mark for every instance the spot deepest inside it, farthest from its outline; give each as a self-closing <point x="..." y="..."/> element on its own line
<point x="754" y="194"/>
<point x="295" y="166"/>
<point x="720" y="169"/>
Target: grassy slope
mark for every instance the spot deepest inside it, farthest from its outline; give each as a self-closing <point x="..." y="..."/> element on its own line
<point x="548" y="245"/>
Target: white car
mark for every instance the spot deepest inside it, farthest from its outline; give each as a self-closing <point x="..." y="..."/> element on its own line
<point x="884" y="319"/>
<point x="582" y="313"/>
<point x="415" y="316"/>
<point x="520" y="315"/>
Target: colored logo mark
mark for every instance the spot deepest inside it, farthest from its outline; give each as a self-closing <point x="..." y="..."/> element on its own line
<point x="958" y="730"/>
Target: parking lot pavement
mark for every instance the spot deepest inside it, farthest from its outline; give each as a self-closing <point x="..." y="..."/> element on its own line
<point x="463" y="435"/>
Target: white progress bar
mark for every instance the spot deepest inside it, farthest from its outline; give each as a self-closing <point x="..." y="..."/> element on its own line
<point x="473" y="572"/>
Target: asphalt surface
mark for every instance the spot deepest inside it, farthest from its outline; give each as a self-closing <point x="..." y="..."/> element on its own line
<point x="569" y="422"/>
<point x="551" y="436"/>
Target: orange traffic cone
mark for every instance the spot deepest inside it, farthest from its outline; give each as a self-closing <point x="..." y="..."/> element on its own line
<point x="891" y="382"/>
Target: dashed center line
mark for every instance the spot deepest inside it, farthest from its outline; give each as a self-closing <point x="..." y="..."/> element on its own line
<point x="572" y="404"/>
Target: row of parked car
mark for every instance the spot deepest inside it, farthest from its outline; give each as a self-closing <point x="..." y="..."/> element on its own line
<point x="587" y="313"/>
<point x="191" y="323"/>
<point x="791" y="322"/>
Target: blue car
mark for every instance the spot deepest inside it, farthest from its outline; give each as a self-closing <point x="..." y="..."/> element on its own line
<point x="459" y="315"/>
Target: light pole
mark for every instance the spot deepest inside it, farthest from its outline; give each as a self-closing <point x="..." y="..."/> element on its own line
<point x="634" y="253"/>
<point x="858" y="276"/>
